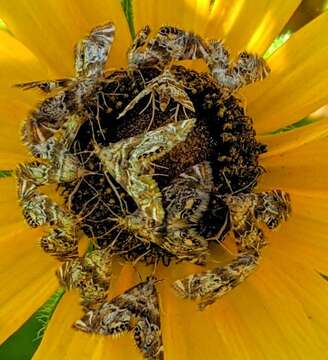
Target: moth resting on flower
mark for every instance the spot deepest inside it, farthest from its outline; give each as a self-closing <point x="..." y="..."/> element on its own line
<point x="155" y="162"/>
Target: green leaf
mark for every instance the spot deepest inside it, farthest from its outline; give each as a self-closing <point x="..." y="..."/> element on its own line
<point x="128" y="11"/>
<point x="5" y="173"/>
<point x="24" y="342"/>
<point x="277" y="43"/>
<point x="4" y="27"/>
<point x="297" y="124"/>
<point x="324" y="276"/>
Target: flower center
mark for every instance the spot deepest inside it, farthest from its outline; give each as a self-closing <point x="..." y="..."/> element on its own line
<point x="154" y="162"/>
<point x="222" y="135"/>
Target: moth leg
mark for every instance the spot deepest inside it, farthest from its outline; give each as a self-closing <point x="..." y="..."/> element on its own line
<point x="45" y="85"/>
<point x="92" y="51"/>
<point x="133" y="103"/>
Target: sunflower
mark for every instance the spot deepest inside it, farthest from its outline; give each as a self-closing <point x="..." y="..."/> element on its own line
<point x="280" y="311"/>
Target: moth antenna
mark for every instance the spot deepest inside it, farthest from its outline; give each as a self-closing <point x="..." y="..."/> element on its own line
<point x="227" y="181"/>
<point x="140" y="257"/>
<point x="140" y="277"/>
<point x="115" y="191"/>
<point x="98" y="120"/>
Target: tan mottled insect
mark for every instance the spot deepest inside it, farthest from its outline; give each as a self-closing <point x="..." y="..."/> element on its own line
<point x="90" y="274"/>
<point x="169" y="44"/>
<point x="185" y="201"/>
<point x="137" y="56"/>
<point x="172" y="44"/>
<point x="207" y="286"/>
<point x="61" y="243"/>
<point x="91" y="54"/>
<point x="129" y="161"/>
<point x="136" y="309"/>
<point x="167" y="88"/>
<point x="64" y="168"/>
<point x="39" y="209"/>
<point x="247" y="69"/>
<point x="246" y="212"/>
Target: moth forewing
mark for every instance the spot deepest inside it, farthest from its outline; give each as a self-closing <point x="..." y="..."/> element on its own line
<point x="129" y="160"/>
<point x="91" y="52"/>
<point x="90" y="274"/>
<point x="136" y="309"/>
<point x="206" y="287"/>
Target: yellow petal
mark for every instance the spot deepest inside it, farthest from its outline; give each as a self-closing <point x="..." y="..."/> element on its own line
<point x="239" y="325"/>
<point x="304" y="168"/>
<point x="304" y="237"/>
<point x="26" y="276"/>
<point x="17" y="64"/>
<point x="52" y="28"/>
<point x="10" y="213"/>
<point x="288" y="140"/>
<point x="275" y="304"/>
<point x="61" y="341"/>
<point x="298" y="82"/>
<point x="249" y="25"/>
<point x="190" y="15"/>
<point x="12" y="151"/>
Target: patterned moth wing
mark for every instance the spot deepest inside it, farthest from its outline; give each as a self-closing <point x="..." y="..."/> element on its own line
<point x="207" y="286"/>
<point x="64" y="108"/>
<point x="61" y="243"/>
<point x="136" y="309"/>
<point x="185" y="201"/>
<point x="167" y="88"/>
<point x="169" y="44"/>
<point x="91" y="52"/>
<point x="247" y="212"/>
<point x="90" y="274"/>
<point x="129" y="161"/>
<point x="247" y="69"/>
<point x="273" y="208"/>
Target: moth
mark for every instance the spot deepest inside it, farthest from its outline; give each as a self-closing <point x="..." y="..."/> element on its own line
<point x="137" y="310"/>
<point x="130" y="160"/>
<point x="167" y="88"/>
<point x="90" y="274"/>
<point x="59" y="117"/>
<point x="246" y="69"/>
<point x="169" y="44"/>
<point x="185" y="201"/>
<point x="172" y="44"/>
<point x="246" y="212"/>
